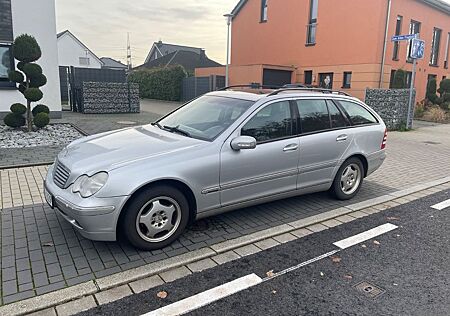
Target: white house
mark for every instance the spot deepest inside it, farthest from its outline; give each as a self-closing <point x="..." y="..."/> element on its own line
<point x="36" y="18"/>
<point x="72" y="52"/>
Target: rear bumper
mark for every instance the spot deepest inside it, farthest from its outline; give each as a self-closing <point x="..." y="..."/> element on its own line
<point x="375" y="160"/>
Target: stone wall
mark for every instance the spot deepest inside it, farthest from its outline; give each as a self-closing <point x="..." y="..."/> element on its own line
<point x="391" y="105"/>
<point x="108" y="97"/>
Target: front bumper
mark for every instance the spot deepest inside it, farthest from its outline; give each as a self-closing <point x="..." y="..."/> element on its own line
<point x="94" y="218"/>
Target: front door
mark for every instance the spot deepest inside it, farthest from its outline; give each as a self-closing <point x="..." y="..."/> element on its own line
<point x="323" y="141"/>
<point x="271" y="167"/>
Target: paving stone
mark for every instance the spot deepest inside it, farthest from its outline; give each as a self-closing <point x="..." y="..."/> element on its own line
<point x="201" y="265"/>
<point x="247" y="250"/>
<point x="302" y="232"/>
<point x="146" y="283"/>
<point x="175" y="274"/>
<point x="50" y="288"/>
<point x="45" y="312"/>
<point x="53" y="269"/>
<point x="80" y="279"/>
<point x="9" y="287"/>
<point x="331" y="223"/>
<point x="345" y="218"/>
<point x="225" y="257"/>
<point x="113" y="294"/>
<point x="284" y="238"/>
<point x="267" y="243"/>
<point x="40" y="279"/>
<point x="77" y="306"/>
<point x="9" y="274"/>
<point x="17" y="297"/>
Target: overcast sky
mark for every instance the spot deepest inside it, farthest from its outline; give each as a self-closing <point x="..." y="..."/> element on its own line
<point x="102" y="25"/>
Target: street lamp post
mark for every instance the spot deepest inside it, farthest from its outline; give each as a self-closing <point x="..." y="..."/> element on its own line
<point x="229" y="17"/>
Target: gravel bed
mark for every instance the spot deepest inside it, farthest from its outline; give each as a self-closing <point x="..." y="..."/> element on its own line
<point x="51" y="135"/>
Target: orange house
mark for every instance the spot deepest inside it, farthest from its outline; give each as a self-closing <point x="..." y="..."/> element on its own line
<point x="343" y="44"/>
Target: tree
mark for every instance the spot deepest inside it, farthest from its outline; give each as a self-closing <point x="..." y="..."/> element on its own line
<point x="399" y="79"/>
<point x="29" y="75"/>
<point x="431" y="91"/>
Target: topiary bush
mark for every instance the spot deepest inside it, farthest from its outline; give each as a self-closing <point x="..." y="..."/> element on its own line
<point x="14" y="120"/>
<point x="40" y="108"/>
<point x="159" y="83"/>
<point x="399" y="79"/>
<point x="18" y="108"/>
<point x="30" y="78"/>
<point x="431" y="91"/>
<point x="41" y="119"/>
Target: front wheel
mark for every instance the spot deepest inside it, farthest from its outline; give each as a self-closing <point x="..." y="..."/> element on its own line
<point x="348" y="180"/>
<point x="155" y="218"/>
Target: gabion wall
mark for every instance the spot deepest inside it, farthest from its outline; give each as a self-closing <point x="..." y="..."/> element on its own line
<point x="391" y="105"/>
<point x="108" y="97"/>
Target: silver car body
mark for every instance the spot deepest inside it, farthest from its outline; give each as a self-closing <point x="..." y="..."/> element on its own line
<point x="215" y="177"/>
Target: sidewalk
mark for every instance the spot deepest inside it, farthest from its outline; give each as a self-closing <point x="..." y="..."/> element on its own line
<point x="41" y="253"/>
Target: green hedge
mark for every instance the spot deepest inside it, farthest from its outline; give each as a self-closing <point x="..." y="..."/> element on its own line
<point x="159" y="83"/>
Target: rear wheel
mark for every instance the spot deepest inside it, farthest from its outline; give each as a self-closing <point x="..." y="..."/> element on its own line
<point x="348" y="180"/>
<point x="155" y="218"/>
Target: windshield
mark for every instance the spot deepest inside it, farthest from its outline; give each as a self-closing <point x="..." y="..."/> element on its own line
<point x="206" y="117"/>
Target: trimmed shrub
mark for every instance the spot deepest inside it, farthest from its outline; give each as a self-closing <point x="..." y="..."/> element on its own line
<point x="18" y="108"/>
<point x="40" y="108"/>
<point x="431" y="91"/>
<point x="33" y="94"/>
<point x="26" y="49"/>
<point x="20" y="65"/>
<point x="16" y="76"/>
<point x="41" y="119"/>
<point x="159" y="83"/>
<point x="38" y="81"/>
<point x="14" y="120"/>
<point x="22" y="88"/>
<point x="437" y="114"/>
<point x="399" y="79"/>
<point x="32" y="70"/>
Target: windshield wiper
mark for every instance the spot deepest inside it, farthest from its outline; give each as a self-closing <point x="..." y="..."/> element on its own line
<point x="177" y="130"/>
<point x="157" y="124"/>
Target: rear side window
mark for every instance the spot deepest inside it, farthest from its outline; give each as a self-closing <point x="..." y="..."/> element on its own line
<point x="313" y="115"/>
<point x="357" y="114"/>
<point x="337" y="119"/>
<point x="271" y="123"/>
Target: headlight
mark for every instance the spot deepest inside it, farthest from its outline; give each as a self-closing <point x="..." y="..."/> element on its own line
<point x="88" y="186"/>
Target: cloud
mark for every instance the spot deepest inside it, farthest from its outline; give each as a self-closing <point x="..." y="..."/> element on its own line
<point x="103" y="24"/>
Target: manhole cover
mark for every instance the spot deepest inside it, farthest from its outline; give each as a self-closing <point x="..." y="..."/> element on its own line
<point x="126" y="123"/>
<point x="432" y="143"/>
<point x="369" y="289"/>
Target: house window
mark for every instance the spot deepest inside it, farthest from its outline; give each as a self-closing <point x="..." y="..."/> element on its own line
<point x="446" y="51"/>
<point x="6" y="39"/>
<point x="398" y="30"/>
<point x="326" y="80"/>
<point x="312" y="26"/>
<point x="391" y="81"/>
<point x="435" y="46"/>
<point x="84" y="61"/>
<point x="308" y="76"/>
<point x="414" y="28"/>
<point x="347" y="80"/>
<point x="6" y="64"/>
<point x="264" y="10"/>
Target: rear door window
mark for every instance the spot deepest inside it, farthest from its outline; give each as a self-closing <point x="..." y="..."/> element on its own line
<point x="357" y="114"/>
<point x="314" y="116"/>
<point x="337" y="119"/>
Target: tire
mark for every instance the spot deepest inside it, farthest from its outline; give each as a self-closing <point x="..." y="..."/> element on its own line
<point x="155" y="218"/>
<point x="344" y="186"/>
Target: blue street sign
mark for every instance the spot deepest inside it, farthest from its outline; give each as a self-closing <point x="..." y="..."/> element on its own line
<point x="417" y="48"/>
<point x="407" y="37"/>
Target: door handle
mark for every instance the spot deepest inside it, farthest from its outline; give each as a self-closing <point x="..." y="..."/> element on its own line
<point x="290" y="147"/>
<point x="341" y="138"/>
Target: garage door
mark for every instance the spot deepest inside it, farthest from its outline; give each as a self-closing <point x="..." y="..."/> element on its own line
<point x="274" y="77"/>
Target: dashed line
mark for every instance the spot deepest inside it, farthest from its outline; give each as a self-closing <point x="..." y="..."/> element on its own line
<point x="442" y="205"/>
<point x="369" y="234"/>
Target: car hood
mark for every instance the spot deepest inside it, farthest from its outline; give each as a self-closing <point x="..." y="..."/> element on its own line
<point x="115" y="149"/>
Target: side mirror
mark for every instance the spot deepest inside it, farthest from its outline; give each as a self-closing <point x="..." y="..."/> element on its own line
<point x="243" y="142"/>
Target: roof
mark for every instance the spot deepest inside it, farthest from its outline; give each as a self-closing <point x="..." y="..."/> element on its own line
<point x="165" y="48"/>
<point x="189" y="60"/>
<point x="112" y="63"/>
<point x="437" y="4"/>
<point x="67" y="32"/>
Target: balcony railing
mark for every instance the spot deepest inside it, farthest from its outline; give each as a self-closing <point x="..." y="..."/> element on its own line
<point x="311" y="33"/>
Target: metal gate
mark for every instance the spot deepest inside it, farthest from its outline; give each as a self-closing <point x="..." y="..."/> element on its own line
<point x="196" y="86"/>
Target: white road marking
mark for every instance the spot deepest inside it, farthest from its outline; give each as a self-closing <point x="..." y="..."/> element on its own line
<point x="202" y="299"/>
<point x="442" y="205"/>
<point x="369" y="234"/>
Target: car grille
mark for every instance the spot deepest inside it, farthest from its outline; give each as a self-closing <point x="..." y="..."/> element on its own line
<point x="60" y="174"/>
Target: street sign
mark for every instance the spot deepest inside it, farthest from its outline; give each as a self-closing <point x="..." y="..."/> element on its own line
<point x="407" y="37"/>
<point x="417" y="48"/>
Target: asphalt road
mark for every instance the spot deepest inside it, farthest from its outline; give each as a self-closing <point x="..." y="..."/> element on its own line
<point x="410" y="265"/>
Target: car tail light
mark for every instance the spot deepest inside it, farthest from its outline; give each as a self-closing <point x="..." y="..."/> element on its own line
<point x="383" y="143"/>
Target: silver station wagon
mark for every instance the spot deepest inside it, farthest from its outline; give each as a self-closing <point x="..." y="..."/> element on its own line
<point x="222" y="151"/>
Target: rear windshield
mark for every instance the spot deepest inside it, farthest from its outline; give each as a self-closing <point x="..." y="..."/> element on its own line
<point x="206" y="117"/>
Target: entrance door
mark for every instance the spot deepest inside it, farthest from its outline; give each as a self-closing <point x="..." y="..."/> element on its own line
<point x="276" y="78"/>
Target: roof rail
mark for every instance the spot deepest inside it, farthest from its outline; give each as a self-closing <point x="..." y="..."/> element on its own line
<point x="252" y="86"/>
<point x="308" y="89"/>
